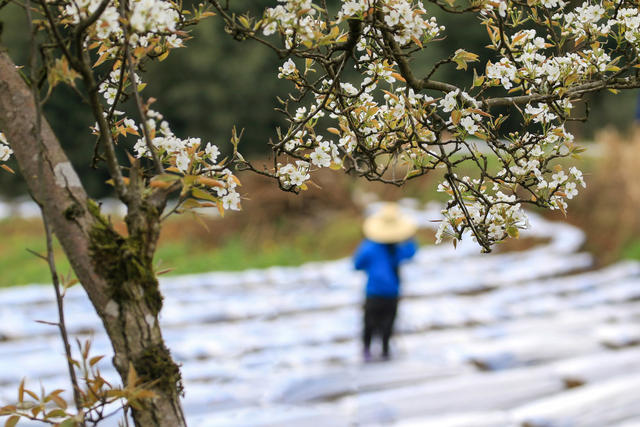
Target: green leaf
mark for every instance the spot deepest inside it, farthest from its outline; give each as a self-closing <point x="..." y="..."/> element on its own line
<point x="32" y="394"/>
<point x="12" y="421"/>
<point x="59" y="401"/>
<point x="95" y="360"/>
<point x="166" y="177"/>
<point x="21" y="391"/>
<point x="477" y="81"/>
<point x="7" y="168"/>
<point x="456" y="115"/>
<point x="201" y="194"/>
<point x="132" y="376"/>
<point x="461" y="58"/>
<point x="9" y="409"/>
<point x="36" y="410"/>
<point x="190" y="204"/>
<point x="244" y="21"/>
<point x="579" y="149"/>
<point x="56" y="413"/>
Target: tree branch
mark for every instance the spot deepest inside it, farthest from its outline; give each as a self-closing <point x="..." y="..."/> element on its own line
<point x="134" y="86"/>
<point x="405" y="68"/>
<point x="50" y="255"/>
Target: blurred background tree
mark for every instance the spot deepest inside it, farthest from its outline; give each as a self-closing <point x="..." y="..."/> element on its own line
<point x="220" y="83"/>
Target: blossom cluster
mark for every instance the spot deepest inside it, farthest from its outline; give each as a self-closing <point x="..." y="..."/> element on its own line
<point x="500" y="5"/>
<point x="503" y="215"/>
<point x="406" y="17"/>
<point x="532" y="67"/>
<point x="381" y="125"/>
<point x="491" y="205"/>
<point x="110" y="86"/>
<point x="500" y="218"/>
<point x="598" y="22"/>
<point x="5" y="150"/>
<point x="291" y="175"/>
<point x="587" y="19"/>
<point x="629" y="24"/>
<point x="188" y="157"/>
<point x="154" y="27"/>
<point x="386" y="117"/>
<point x="353" y="106"/>
<point x="147" y="16"/>
<point x="528" y="62"/>
<point x="296" y="20"/>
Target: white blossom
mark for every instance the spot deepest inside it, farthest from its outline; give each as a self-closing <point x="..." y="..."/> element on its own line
<point x="469" y="125"/>
<point x="503" y="71"/>
<point x="182" y="161"/>
<point x="320" y="158"/>
<point x="287" y="69"/>
<point x="5" y="150"/>
<point x="212" y="151"/>
<point x="231" y="201"/>
<point x="577" y="174"/>
<point x="294" y="175"/>
<point x="570" y="190"/>
<point x="448" y="103"/>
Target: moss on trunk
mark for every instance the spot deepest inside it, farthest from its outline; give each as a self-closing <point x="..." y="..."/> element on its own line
<point x="123" y="263"/>
<point x="156" y="363"/>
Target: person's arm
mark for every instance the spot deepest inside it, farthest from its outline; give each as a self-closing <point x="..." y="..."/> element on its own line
<point x="406" y="250"/>
<point x="361" y="257"/>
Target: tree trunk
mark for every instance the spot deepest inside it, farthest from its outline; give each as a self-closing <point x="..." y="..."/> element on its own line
<point x="116" y="272"/>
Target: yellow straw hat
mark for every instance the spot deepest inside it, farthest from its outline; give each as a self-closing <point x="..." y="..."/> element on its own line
<point x="389" y="225"/>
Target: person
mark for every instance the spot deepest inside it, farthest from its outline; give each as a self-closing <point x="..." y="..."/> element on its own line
<point x="388" y="242"/>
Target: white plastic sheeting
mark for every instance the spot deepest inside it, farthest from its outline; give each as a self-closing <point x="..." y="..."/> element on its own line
<point x="483" y="340"/>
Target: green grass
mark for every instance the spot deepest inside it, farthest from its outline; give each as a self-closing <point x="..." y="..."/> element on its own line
<point x="232" y="245"/>
<point x="632" y="250"/>
<point x="17" y="264"/>
<point x="236" y="254"/>
<point x="287" y="245"/>
<point x="185" y="254"/>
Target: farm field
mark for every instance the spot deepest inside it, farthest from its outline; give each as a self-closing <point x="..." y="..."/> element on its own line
<point x="532" y="337"/>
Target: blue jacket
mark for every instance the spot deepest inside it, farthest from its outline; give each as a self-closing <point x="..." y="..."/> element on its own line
<point x="380" y="261"/>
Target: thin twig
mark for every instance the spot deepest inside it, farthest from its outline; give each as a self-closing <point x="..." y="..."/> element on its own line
<point x="49" y="239"/>
<point x="134" y="86"/>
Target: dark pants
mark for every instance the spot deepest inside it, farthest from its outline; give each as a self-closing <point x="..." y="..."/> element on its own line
<point x="379" y="316"/>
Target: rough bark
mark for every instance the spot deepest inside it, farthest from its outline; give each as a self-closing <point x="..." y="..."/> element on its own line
<point x="115" y="271"/>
